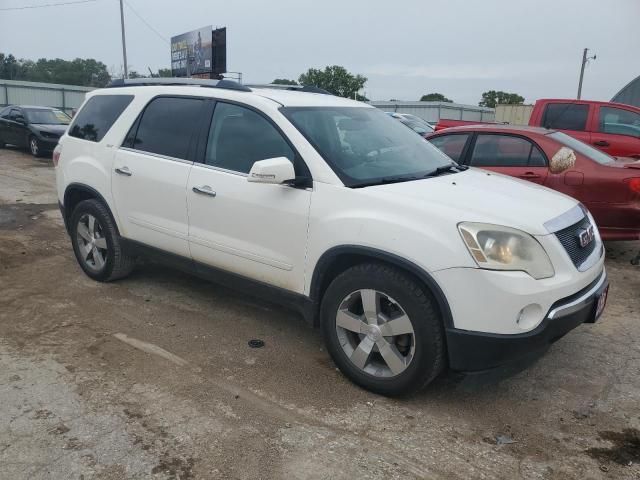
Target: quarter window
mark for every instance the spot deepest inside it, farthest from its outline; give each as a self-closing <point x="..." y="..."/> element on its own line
<point x="451" y="145"/>
<point x="168" y="126"/>
<point x="98" y="115"/>
<point x="619" y="121"/>
<point x="239" y="137"/>
<point x="505" y="151"/>
<point x="566" y="116"/>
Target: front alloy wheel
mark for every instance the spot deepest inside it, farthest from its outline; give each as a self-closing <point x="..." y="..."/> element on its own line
<point x="34" y="146"/>
<point x="375" y="333"/>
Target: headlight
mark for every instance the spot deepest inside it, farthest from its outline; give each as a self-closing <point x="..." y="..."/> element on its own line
<point x="495" y="247"/>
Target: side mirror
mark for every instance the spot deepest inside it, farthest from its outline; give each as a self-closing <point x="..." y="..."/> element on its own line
<point x="274" y="171"/>
<point x="563" y="160"/>
<point x="20" y="120"/>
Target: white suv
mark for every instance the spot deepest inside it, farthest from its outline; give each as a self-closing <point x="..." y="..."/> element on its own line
<point x="408" y="262"/>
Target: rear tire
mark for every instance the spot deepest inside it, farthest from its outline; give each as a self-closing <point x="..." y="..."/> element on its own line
<point x="406" y="346"/>
<point x="96" y="243"/>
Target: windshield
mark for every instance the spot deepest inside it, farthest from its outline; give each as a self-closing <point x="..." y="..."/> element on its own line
<point x="48" y="117"/>
<point x="582" y="148"/>
<point x="365" y="146"/>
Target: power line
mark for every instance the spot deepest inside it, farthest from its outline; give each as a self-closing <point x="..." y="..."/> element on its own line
<point x="164" y="39"/>
<point x="47" y="5"/>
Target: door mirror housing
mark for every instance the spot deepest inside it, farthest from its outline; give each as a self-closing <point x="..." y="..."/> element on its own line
<point x="275" y="171"/>
<point x="20" y="120"/>
<point x="563" y="160"/>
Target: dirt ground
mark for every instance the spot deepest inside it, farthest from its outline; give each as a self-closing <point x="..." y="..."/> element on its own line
<point x="152" y="377"/>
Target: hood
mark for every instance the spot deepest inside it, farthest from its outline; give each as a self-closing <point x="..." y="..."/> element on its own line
<point x="56" y="129"/>
<point x="480" y="196"/>
<point x="625" y="162"/>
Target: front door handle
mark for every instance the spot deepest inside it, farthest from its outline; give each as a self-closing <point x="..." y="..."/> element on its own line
<point x="601" y="143"/>
<point x="124" y="171"/>
<point x="529" y="175"/>
<point x="204" y="190"/>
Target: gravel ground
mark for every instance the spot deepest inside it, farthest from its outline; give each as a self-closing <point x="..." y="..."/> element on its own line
<point x="152" y="377"/>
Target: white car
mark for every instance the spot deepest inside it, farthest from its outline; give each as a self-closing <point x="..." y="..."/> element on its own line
<point x="408" y="262"/>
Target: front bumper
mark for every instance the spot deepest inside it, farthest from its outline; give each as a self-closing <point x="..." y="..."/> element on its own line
<point x="48" y="144"/>
<point x="471" y="351"/>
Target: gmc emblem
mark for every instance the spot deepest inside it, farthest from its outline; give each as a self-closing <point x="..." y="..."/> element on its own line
<point x="586" y="236"/>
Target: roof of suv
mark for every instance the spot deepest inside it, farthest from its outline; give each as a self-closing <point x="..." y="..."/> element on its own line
<point x="212" y="88"/>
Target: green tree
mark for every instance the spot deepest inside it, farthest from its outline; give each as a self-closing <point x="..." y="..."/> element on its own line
<point x="284" y="81"/>
<point x="85" y="72"/>
<point x="335" y="79"/>
<point x="492" y="98"/>
<point x="164" y="72"/>
<point x="435" y="97"/>
<point x="134" y="74"/>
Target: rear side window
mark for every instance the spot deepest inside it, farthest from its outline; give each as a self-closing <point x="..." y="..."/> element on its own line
<point x="451" y="145"/>
<point x="98" y="115"/>
<point x="168" y="126"/>
<point x="565" y="116"/>
<point x="619" y="121"/>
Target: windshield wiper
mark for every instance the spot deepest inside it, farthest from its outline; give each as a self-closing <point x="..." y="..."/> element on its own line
<point x="386" y="181"/>
<point x="451" y="168"/>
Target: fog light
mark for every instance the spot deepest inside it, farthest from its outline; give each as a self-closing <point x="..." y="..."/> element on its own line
<point x="529" y="317"/>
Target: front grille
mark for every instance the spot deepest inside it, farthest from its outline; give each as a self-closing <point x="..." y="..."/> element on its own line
<point x="570" y="239"/>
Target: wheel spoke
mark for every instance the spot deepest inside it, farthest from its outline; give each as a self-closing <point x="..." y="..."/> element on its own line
<point x="98" y="259"/>
<point x="85" y="250"/>
<point x="397" y="326"/>
<point x="349" y="321"/>
<point x="361" y="354"/>
<point x="91" y="224"/>
<point x="84" y="231"/>
<point x="370" y="305"/>
<point x="391" y="356"/>
<point x="101" y="243"/>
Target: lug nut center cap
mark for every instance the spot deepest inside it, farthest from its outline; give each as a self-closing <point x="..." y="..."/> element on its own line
<point x="373" y="333"/>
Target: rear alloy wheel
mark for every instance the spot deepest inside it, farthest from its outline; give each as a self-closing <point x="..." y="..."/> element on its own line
<point x="96" y="242"/>
<point x="34" y="146"/>
<point x="383" y="329"/>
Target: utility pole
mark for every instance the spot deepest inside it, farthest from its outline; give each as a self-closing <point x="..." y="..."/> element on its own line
<point x="585" y="60"/>
<point x="124" y="42"/>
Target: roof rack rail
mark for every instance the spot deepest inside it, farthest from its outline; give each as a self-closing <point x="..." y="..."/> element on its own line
<point x="293" y="88"/>
<point x="195" y="82"/>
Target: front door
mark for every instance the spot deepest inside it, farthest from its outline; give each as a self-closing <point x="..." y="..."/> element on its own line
<point x="150" y="173"/>
<point x="511" y="155"/>
<point x="256" y="230"/>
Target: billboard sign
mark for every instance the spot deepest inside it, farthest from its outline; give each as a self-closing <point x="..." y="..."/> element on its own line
<point x="192" y="53"/>
<point x="219" y="51"/>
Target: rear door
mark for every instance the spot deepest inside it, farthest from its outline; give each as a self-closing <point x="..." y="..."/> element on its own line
<point x="150" y="173"/>
<point x="512" y="155"/>
<point x="453" y="145"/>
<point x="255" y="230"/>
<point x="573" y="118"/>
<point x="618" y="131"/>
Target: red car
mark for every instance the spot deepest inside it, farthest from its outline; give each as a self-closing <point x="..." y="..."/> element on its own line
<point x="613" y="128"/>
<point x="609" y="187"/>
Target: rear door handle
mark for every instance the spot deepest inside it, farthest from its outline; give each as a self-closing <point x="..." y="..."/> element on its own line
<point x="204" y="190"/>
<point x="124" y="171"/>
<point x="601" y="143"/>
<point x="529" y="175"/>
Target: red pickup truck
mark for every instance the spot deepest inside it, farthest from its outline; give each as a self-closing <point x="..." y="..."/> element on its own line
<point x="613" y="128"/>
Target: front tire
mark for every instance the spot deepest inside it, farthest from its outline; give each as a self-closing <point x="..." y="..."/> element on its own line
<point x="96" y="243"/>
<point x="382" y="329"/>
<point x="34" y="147"/>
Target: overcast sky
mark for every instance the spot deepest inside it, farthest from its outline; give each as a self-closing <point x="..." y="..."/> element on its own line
<point x="404" y="47"/>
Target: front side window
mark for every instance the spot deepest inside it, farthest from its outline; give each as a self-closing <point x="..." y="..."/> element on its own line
<point x="566" y="116"/>
<point x="239" y="137"/>
<point x="505" y="151"/>
<point x="582" y="148"/>
<point x="168" y="126"/>
<point x="451" y="145"/>
<point x="619" y="121"/>
<point x="365" y="146"/>
<point x="98" y="115"/>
